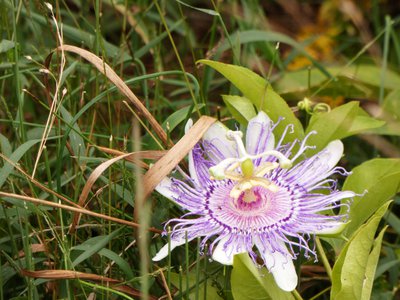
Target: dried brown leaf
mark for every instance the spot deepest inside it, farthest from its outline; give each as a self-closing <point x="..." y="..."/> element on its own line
<point x="89" y="183"/>
<point x="168" y="162"/>
<point x="134" y="158"/>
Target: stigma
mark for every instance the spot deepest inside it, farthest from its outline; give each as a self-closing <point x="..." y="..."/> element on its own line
<point x="243" y="171"/>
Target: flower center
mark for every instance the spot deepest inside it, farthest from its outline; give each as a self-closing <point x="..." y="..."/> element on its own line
<point x="243" y="171"/>
<point x="248" y="196"/>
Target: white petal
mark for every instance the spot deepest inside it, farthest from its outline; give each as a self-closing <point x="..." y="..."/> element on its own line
<point x="332" y="153"/>
<point x="165" y="188"/>
<point x="192" y="170"/>
<point x="259" y="137"/>
<point x="163" y="253"/>
<point x="318" y="166"/>
<point x="337" y="228"/>
<point x="224" y="255"/>
<point x="188" y="125"/>
<point x="216" y="136"/>
<point x="282" y="268"/>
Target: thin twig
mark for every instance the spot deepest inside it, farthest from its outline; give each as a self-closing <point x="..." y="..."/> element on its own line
<point x="75" y="209"/>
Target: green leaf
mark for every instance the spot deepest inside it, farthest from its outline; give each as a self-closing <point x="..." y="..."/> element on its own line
<point x="331" y="125"/>
<point x="390" y="114"/>
<point x="364" y="123"/>
<point x="75" y="135"/>
<point x="5" y="146"/>
<point x="179" y="116"/>
<point x="378" y="180"/>
<point x="371" y="266"/>
<point x="248" y="282"/>
<point x="261" y="94"/>
<point x="93" y="245"/>
<point x="15" y="157"/>
<point x="391" y="104"/>
<point x="203" y="10"/>
<point x="368" y="74"/>
<point x="122" y="264"/>
<point x="393" y="221"/>
<point x="241" y="108"/>
<point x="386" y="266"/>
<point x="211" y="292"/>
<point x="341" y="122"/>
<point x="353" y="272"/>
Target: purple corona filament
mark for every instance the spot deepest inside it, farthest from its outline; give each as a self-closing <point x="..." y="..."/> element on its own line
<point x="256" y="197"/>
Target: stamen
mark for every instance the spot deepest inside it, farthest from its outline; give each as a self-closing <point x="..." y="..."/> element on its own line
<point x="237" y="137"/>
<point x="242" y="169"/>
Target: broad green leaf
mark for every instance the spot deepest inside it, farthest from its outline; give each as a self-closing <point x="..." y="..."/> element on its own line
<point x="390" y="114"/>
<point x="377" y="180"/>
<point x="352" y="276"/>
<point x="364" y="123"/>
<point x="331" y="125"/>
<point x="248" y="282"/>
<point x="391" y="127"/>
<point x="368" y="74"/>
<point x="179" y="116"/>
<point x="261" y="94"/>
<point x="94" y="245"/>
<point x="341" y="122"/>
<point x="299" y="81"/>
<point x="391" y="104"/>
<point x="211" y="292"/>
<point x="241" y="108"/>
<point x="371" y="266"/>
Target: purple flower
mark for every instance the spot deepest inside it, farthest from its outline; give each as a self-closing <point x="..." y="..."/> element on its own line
<point x="259" y="197"/>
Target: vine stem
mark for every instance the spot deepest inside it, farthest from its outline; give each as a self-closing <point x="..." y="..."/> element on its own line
<point x="323" y="257"/>
<point x="297" y="295"/>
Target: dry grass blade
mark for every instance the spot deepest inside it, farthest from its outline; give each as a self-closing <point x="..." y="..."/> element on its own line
<point x="92" y="179"/>
<point x="68" y="274"/>
<point x="37" y="183"/>
<point x="169" y="161"/>
<point x="120" y="84"/>
<point x="34" y="248"/>
<point x="74" y="209"/>
<point x="134" y="158"/>
<point x="166" y="287"/>
<point x="55" y="103"/>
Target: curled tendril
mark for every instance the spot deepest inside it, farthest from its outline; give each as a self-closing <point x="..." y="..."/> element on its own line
<point x="312" y="108"/>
